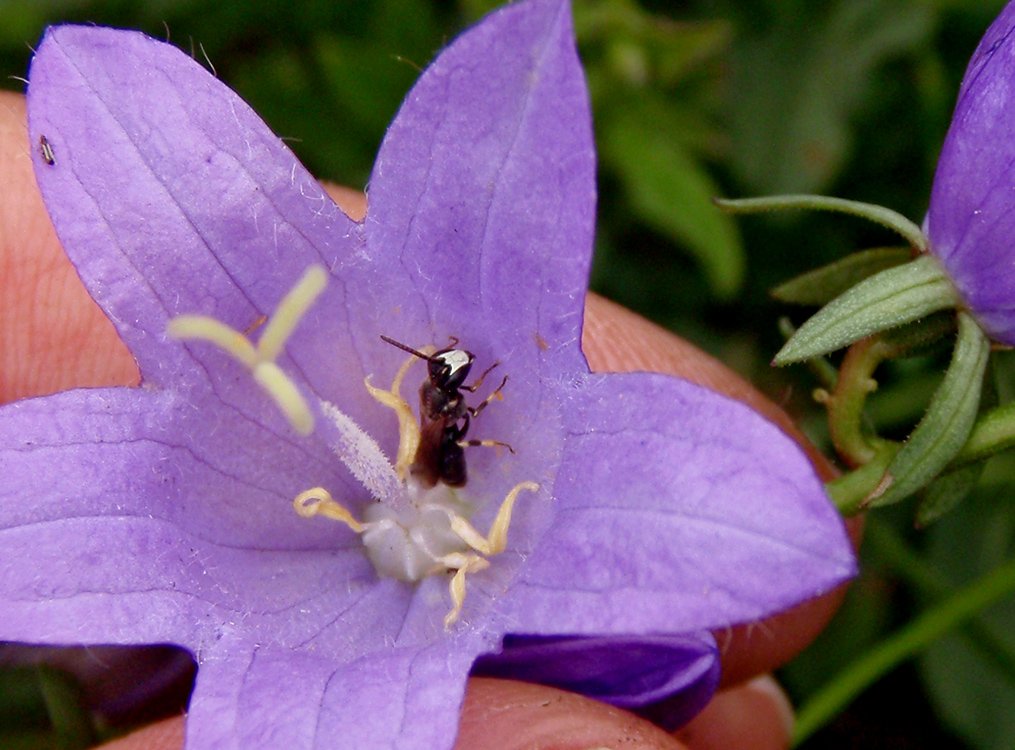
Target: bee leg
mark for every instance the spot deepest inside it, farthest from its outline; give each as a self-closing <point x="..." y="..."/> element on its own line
<point x="475" y="386"/>
<point x="497" y="394"/>
<point x="485" y="444"/>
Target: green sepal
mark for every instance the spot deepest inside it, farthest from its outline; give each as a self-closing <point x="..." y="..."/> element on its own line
<point x="994" y="432"/>
<point x="850" y="490"/>
<point x="822" y="285"/>
<point x="946" y="492"/>
<point x="888" y="299"/>
<point x="919" y="337"/>
<point x="823" y="370"/>
<point x="945" y="427"/>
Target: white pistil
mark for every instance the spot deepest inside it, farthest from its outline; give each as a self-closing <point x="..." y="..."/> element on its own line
<point x="414" y="532"/>
<point x="364" y="458"/>
<point x="260" y="359"/>
<point x="290" y="311"/>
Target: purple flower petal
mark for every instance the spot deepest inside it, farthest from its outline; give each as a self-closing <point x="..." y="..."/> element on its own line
<point x="665" y="481"/>
<point x="167" y="553"/>
<point x="970" y="222"/>
<point x="670" y="678"/>
<point x="177" y="199"/>
<point x="494" y="206"/>
<point x="280" y="699"/>
<point x="661" y="508"/>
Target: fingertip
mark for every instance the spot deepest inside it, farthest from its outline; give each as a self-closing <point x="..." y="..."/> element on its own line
<point x="352" y="202"/>
<point x="53" y="336"/>
<point x="164" y="735"/>
<point x="754" y="716"/>
<point x="509" y="715"/>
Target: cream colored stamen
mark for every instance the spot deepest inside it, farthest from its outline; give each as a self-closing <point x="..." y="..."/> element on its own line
<point x="260" y="359"/>
<point x="408" y="427"/>
<point x="496" y="541"/>
<point x="462" y="565"/>
<point x="492" y="544"/>
<point x="318" y="502"/>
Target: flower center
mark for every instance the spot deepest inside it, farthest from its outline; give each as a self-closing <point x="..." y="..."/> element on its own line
<point x="428" y="532"/>
<point x="417" y="529"/>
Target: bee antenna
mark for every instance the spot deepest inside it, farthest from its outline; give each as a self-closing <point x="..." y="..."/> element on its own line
<point x="405" y="348"/>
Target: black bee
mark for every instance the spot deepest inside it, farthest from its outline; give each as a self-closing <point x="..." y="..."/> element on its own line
<point x="444" y="416"/>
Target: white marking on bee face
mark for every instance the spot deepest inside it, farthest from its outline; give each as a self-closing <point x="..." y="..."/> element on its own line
<point x="456" y="359"/>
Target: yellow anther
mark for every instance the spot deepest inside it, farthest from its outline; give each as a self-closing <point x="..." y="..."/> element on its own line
<point x="290" y="311"/>
<point x="396" y="384"/>
<point x="496" y="541"/>
<point x="318" y="502"/>
<point x="286" y="395"/>
<point x="428" y="533"/>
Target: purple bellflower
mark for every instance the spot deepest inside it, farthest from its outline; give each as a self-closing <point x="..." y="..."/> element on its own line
<point x="970" y="223"/>
<point x="261" y="499"/>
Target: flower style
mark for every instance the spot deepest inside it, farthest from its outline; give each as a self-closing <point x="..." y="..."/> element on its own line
<point x="970" y="221"/>
<point x="644" y="505"/>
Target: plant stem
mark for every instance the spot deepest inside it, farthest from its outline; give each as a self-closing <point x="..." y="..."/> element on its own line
<point x="910" y="640"/>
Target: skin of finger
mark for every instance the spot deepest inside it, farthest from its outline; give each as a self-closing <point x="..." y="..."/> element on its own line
<point x="753" y="716"/>
<point x="504" y="714"/>
<point x="58" y="338"/>
<point x="509" y="715"/>
<point x="162" y="735"/>
<point x="52" y="334"/>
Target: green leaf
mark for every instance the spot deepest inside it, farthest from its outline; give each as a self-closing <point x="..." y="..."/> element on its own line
<point x="945" y="427"/>
<point x="946" y="492"/>
<point x="800" y="82"/>
<point x="672" y="193"/>
<point x="640" y="45"/>
<point x="72" y="724"/>
<point x="968" y="674"/>
<point x="886" y="300"/>
<point x="935" y="622"/>
<point x="822" y="285"/>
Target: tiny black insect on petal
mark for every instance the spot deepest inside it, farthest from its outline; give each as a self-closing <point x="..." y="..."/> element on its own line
<point x="46" y="148"/>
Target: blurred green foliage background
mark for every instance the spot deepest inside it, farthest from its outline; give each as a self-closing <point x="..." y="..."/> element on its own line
<point x="691" y="99"/>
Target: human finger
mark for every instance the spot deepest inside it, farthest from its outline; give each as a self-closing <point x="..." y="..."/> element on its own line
<point x="755" y="715"/>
